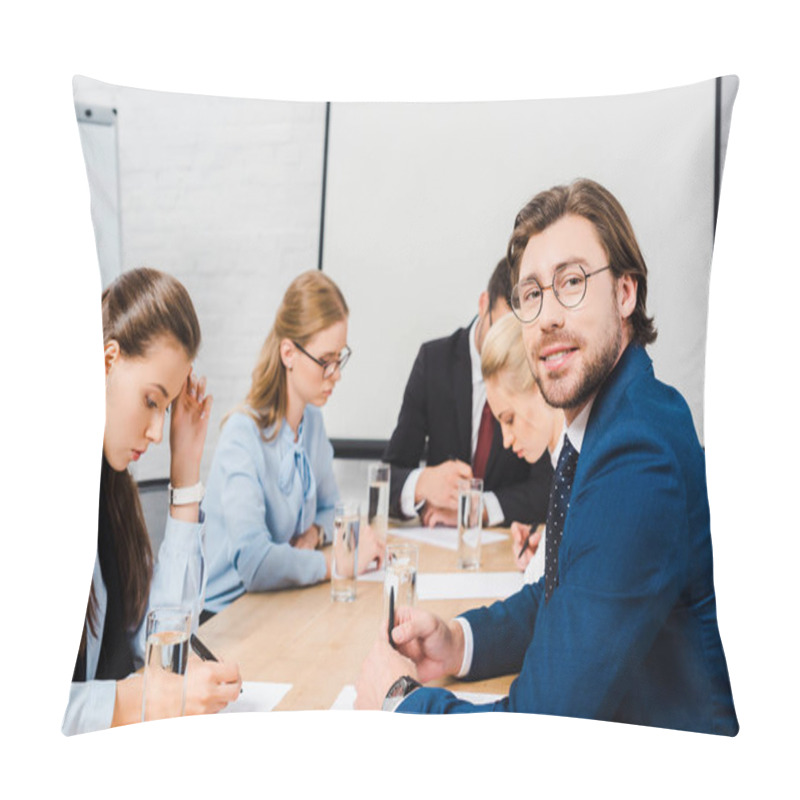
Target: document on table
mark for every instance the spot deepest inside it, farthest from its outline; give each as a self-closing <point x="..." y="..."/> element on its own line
<point x="458" y="585"/>
<point x="443" y="537"/>
<point x="347" y="698"/>
<point x="258" y="696"/>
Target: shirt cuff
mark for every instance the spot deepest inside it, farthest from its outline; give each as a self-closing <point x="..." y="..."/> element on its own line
<point x="90" y="708"/>
<point x="180" y="536"/>
<point x="407" y="505"/>
<point x="466" y="662"/>
<point x="494" y="513"/>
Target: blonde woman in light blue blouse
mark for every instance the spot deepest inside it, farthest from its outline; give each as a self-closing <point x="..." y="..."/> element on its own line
<point x="271" y="490"/>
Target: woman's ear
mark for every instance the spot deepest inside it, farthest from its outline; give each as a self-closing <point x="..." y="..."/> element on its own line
<point x="287" y="350"/>
<point x="111" y="353"/>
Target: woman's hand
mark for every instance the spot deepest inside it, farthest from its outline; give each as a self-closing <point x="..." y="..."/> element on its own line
<point x="371" y="553"/>
<point x="210" y="685"/>
<point x="310" y="539"/>
<point x="370" y="549"/>
<point x="523" y="537"/>
<point x="191" y="410"/>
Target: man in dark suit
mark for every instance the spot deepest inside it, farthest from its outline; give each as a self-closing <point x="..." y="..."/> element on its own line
<point x="623" y="624"/>
<point x="445" y="404"/>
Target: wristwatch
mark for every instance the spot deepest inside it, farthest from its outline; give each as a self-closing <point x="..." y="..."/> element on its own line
<point x="186" y="495"/>
<point x="398" y="692"/>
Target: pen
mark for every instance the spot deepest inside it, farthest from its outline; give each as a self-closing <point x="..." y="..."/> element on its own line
<point x="204" y="652"/>
<point x="525" y="544"/>
<point x="201" y="649"/>
<point x="391" y="616"/>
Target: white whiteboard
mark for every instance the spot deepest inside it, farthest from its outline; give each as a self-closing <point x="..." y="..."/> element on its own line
<point x="421" y="200"/>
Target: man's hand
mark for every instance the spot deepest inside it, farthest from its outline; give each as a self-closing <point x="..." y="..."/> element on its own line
<point x="433" y="645"/>
<point x="439" y="485"/>
<point x="432" y="516"/>
<point x="522" y="535"/>
<point x="381" y="668"/>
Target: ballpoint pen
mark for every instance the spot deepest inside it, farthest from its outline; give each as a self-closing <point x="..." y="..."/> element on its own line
<point x="525" y="544"/>
<point x="391" y="616"/>
<point x="204" y="652"/>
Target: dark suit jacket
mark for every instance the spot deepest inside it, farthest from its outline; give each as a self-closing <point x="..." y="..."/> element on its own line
<point x="437" y="405"/>
<point x="630" y="633"/>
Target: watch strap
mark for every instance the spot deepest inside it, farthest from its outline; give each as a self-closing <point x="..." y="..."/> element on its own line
<point x="398" y="692"/>
<point x="186" y="495"/>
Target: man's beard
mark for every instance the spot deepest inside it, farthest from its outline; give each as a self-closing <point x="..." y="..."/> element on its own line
<point x="589" y="381"/>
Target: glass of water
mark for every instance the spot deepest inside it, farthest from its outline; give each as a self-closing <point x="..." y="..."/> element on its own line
<point x="378" y="506"/>
<point x="470" y="523"/>
<point x="166" y="654"/>
<point x="344" y="561"/>
<point x="400" y="581"/>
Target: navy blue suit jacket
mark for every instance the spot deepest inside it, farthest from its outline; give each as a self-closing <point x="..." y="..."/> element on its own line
<point x="630" y="633"/>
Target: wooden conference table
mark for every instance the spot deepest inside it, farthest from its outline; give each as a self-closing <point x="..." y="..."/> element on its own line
<point x="300" y="636"/>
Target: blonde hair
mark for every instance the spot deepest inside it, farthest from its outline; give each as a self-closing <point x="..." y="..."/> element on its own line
<point x="503" y="355"/>
<point x="312" y="303"/>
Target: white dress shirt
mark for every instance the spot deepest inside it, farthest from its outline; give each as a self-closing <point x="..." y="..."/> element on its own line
<point x="576" y="432"/>
<point x="494" y="513"/>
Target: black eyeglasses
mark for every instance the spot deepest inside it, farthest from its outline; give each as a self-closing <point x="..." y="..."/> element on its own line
<point x="569" y="287"/>
<point x="328" y="367"/>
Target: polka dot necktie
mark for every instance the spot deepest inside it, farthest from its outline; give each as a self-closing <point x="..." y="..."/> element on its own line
<point x="557" y="513"/>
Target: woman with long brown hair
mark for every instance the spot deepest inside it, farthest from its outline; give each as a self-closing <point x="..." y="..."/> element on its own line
<point x="271" y="488"/>
<point x="151" y="335"/>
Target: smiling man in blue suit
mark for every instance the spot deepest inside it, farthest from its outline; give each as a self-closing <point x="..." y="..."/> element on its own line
<point x="623" y="624"/>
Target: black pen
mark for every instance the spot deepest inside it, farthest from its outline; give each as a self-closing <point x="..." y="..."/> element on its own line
<point x="204" y="652"/>
<point x="201" y="649"/>
<point x="391" y="616"/>
<point x="525" y="544"/>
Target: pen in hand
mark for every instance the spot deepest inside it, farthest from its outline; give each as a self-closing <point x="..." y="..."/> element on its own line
<point x="201" y="649"/>
<point x="204" y="653"/>
<point x="526" y="543"/>
<point x="391" y="616"/>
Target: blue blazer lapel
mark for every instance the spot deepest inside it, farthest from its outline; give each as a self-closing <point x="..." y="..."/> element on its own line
<point x="633" y="363"/>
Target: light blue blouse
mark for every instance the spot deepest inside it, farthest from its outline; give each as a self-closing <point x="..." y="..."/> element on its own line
<point x="91" y="703"/>
<point x="261" y="494"/>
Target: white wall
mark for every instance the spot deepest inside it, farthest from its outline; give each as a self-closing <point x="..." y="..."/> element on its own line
<point x="421" y="200"/>
<point x="224" y="194"/>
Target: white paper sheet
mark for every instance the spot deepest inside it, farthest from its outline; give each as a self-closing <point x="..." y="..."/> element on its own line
<point x="443" y="537"/>
<point x="376" y="576"/>
<point x="347" y="698"/>
<point x="458" y="585"/>
<point x="258" y="696"/>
